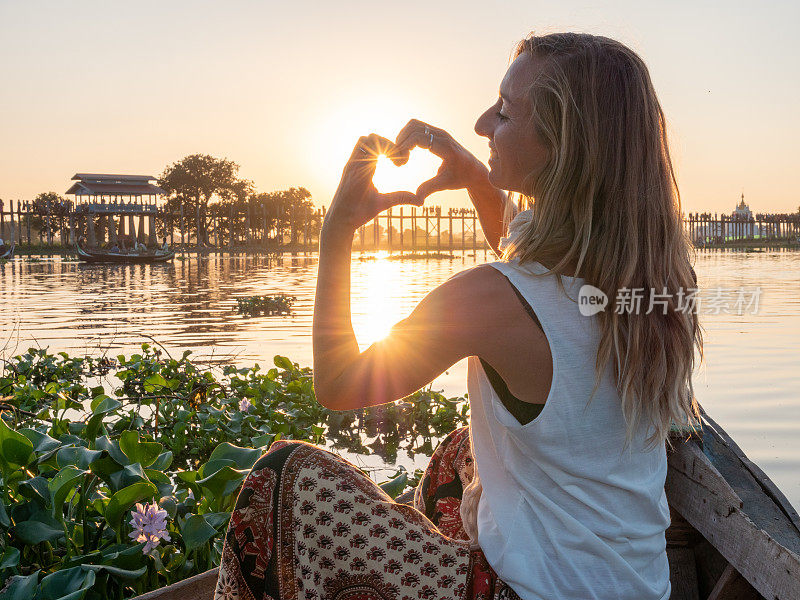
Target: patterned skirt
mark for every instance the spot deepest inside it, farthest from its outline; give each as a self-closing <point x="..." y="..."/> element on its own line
<point x="308" y="525"/>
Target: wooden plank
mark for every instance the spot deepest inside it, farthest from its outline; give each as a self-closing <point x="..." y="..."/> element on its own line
<point x="681" y="533"/>
<point x="732" y="586"/>
<point x="710" y="565"/>
<point x="682" y="574"/>
<point x="699" y="492"/>
<point x="199" y="587"/>
<point x="758" y="504"/>
<point x="766" y="484"/>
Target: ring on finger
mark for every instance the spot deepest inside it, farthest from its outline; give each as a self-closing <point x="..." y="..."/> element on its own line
<point x="429" y="133"/>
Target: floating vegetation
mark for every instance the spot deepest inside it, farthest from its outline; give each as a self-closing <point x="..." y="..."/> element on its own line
<point x="421" y="255"/>
<point x="266" y="305"/>
<point x="89" y="447"/>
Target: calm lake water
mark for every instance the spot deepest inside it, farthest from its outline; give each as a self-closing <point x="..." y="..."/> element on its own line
<point x="750" y="382"/>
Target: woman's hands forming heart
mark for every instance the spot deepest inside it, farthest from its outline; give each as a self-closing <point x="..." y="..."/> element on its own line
<point x="357" y="200"/>
<point x="459" y="169"/>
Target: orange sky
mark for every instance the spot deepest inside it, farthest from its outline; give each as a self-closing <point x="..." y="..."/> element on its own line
<point x="285" y="90"/>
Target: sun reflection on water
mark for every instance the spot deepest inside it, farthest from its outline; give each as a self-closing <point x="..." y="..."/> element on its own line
<point x="381" y="305"/>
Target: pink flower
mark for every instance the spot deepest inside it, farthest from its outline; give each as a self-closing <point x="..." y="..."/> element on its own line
<point x="149" y="525"/>
<point x="244" y="405"/>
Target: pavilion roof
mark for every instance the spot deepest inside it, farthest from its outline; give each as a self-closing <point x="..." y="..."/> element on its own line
<point x="107" y="184"/>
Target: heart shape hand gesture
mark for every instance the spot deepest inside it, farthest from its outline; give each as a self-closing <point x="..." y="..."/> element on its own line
<point x="357" y="201"/>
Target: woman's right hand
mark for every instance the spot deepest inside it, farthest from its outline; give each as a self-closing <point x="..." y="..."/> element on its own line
<point x="459" y="169"/>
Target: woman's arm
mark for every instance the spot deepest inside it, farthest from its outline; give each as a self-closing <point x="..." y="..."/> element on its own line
<point x="333" y="338"/>
<point x="450" y="323"/>
<point x="441" y="330"/>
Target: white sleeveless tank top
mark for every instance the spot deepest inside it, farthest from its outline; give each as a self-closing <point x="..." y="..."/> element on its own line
<point x="565" y="513"/>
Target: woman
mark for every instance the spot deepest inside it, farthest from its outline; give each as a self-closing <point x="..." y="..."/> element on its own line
<point x="571" y="404"/>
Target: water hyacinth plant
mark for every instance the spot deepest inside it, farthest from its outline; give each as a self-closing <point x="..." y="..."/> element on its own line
<point x="149" y="525"/>
<point x="266" y="305"/>
<point x="118" y="476"/>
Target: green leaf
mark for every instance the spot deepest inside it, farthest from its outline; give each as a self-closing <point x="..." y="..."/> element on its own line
<point x="283" y="363"/>
<point x="262" y="441"/>
<point x="61" y="485"/>
<point x="125" y="498"/>
<point x="129" y="558"/>
<point x="36" y="489"/>
<point x="66" y="583"/>
<point x="217" y="519"/>
<point x="41" y="441"/>
<point x="161" y="481"/>
<point x="15" y="449"/>
<point x="190" y="478"/>
<point x="9" y="558"/>
<point x="155" y="383"/>
<point x="4" y="520"/>
<point x="40" y="528"/>
<point x="224" y="482"/>
<point x="113" y="449"/>
<point x="102" y="404"/>
<point x="394" y="487"/>
<point x="243" y="458"/>
<point x="118" y="572"/>
<point x="126" y="476"/>
<point x="196" y="531"/>
<point x="163" y="461"/>
<point x="169" y="504"/>
<point x="142" y="452"/>
<point x="21" y="587"/>
<point x="105" y="467"/>
<point x="77" y="456"/>
<point x="101" y="407"/>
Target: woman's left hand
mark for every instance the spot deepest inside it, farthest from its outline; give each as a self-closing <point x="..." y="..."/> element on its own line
<point x="357" y="201"/>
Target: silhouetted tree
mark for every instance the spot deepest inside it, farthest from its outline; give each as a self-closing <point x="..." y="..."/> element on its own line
<point x="193" y="181"/>
<point x="290" y="210"/>
<point x="49" y="211"/>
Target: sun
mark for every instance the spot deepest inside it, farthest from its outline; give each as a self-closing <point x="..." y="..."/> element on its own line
<point x="421" y="166"/>
<point x="337" y="131"/>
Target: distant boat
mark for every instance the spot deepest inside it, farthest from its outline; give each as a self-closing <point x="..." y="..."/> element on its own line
<point x="94" y="256"/>
<point x="7" y="251"/>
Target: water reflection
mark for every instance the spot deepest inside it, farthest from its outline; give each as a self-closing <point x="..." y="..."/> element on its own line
<point x="749" y="384"/>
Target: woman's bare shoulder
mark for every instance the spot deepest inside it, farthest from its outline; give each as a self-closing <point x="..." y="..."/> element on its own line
<point x="480" y="280"/>
<point x="485" y="298"/>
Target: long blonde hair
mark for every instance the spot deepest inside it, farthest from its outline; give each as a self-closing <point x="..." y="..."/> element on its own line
<point x="607" y="200"/>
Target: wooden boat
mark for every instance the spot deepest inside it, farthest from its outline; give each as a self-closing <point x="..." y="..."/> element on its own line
<point x="93" y="256"/>
<point x="7" y="251"/>
<point x="733" y="536"/>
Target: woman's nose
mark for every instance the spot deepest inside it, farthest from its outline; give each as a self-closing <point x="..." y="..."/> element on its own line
<point x="482" y="125"/>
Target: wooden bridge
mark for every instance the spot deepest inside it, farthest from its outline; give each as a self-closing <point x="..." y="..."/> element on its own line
<point x="105" y="220"/>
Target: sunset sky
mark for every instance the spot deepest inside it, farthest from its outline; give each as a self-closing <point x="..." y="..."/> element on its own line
<point x="286" y="88"/>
